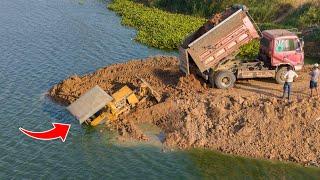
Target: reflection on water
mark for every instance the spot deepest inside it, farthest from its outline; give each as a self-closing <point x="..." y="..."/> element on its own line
<point x="215" y="165"/>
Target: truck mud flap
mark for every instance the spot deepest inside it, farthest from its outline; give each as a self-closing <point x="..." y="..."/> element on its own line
<point x="184" y="61"/>
<point x="244" y="74"/>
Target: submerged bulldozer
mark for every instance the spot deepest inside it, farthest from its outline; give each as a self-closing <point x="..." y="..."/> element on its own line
<point x="96" y="106"/>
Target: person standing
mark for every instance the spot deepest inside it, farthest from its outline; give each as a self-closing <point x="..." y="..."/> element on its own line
<point x="315" y="73"/>
<point x="289" y="77"/>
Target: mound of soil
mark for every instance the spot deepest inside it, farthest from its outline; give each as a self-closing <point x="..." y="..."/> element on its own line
<point x="249" y="119"/>
<point x="211" y="23"/>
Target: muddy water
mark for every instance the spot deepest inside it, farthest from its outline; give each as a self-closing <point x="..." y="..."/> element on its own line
<point x="41" y="43"/>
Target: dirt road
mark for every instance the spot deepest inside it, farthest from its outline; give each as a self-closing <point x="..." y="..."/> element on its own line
<point x="248" y="120"/>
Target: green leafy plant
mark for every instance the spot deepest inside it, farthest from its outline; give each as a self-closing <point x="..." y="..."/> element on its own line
<point x="250" y="51"/>
<point x="306" y="15"/>
<point x="164" y="30"/>
<point x="266" y="26"/>
<point x="156" y="28"/>
<point x="310" y="17"/>
<point x="261" y="10"/>
<point x="314" y="36"/>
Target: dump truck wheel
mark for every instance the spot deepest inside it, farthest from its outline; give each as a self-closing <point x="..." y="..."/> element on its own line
<point x="224" y="79"/>
<point x="280" y="75"/>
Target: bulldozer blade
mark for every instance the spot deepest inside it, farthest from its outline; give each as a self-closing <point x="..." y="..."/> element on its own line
<point x="154" y="93"/>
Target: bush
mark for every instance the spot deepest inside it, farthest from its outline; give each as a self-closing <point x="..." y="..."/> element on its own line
<point x="305" y="16"/>
<point x="266" y="26"/>
<point x="250" y="51"/>
<point x="261" y="10"/>
<point x="313" y="36"/>
<point x="310" y="17"/>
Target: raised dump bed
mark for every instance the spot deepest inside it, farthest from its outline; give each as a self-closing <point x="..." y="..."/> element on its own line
<point x="215" y="45"/>
<point x="212" y="50"/>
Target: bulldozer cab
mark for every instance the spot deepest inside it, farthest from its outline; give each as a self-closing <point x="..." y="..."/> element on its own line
<point x="89" y="104"/>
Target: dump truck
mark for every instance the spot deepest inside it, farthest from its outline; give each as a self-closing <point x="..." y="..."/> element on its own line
<point x="211" y="51"/>
<point x="96" y="106"/>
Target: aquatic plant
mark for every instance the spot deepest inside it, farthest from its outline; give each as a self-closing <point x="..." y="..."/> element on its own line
<point x="156" y="27"/>
<point x="164" y="30"/>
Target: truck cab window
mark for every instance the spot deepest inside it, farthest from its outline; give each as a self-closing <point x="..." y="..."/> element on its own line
<point x="283" y="45"/>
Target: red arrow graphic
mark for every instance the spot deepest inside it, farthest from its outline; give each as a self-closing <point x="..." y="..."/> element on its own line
<point x="59" y="130"/>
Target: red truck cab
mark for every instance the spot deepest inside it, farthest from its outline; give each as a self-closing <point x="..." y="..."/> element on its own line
<point x="281" y="47"/>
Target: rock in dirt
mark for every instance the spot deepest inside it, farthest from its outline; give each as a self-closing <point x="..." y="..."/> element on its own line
<point x="248" y="120"/>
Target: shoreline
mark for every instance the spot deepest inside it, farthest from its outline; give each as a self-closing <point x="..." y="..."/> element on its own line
<point x="248" y="120"/>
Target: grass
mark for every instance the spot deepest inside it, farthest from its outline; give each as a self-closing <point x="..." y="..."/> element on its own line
<point x="304" y="16"/>
<point x="261" y="10"/>
<point x="303" y="13"/>
<point x="214" y="165"/>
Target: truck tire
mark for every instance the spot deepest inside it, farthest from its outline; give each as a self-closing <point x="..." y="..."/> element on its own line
<point x="224" y="79"/>
<point x="211" y="78"/>
<point x="280" y="75"/>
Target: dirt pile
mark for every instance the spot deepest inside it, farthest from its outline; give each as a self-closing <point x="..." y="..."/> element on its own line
<point x="161" y="72"/>
<point x="211" y="23"/>
<point x="257" y="127"/>
<point x="249" y="120"/>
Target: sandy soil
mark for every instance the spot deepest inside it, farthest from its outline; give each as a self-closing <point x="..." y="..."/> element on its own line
<point x="248" y="120"/>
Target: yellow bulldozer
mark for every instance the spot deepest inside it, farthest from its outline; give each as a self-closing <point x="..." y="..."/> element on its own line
<point x="96" y="106"/>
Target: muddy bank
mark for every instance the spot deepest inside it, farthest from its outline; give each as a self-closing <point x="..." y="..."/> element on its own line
<point x="249" y="120"/>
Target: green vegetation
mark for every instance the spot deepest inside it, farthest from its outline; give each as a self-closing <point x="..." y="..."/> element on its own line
<point x="304" y="16"/>
<point x="214" y="165"/>
<point x="156" y="28"/>
<point x="250" y="50"/>
<point x="310" y="17"/>
<point x="160" y="26"/>
<point x="162" y="29"/>
<point x="314" y="36"/>
<point x="270" y="25"/>
<point x="311" y="60"/>
<point x="262" y="11"/>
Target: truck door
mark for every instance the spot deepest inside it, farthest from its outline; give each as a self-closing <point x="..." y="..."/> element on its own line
<point x="287" y="51"/>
